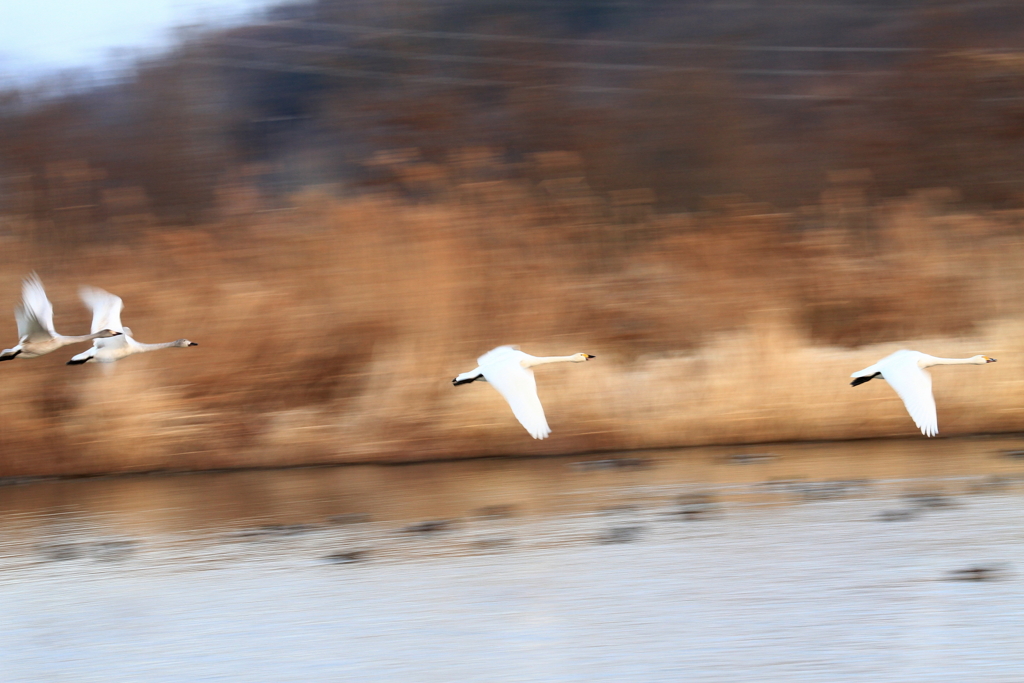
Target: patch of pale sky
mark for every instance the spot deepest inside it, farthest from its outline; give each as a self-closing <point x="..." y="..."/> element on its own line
<point x="41" y="36"/>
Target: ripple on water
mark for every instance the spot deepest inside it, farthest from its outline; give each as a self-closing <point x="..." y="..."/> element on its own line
<point x="556" y="571"/>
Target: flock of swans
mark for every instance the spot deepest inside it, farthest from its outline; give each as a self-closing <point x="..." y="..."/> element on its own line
<point x="510" y="371"/>
<point x="506" y="368"/>
<point x="111" y="341"/>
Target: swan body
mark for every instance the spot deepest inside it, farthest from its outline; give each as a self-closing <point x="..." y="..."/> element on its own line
<point x="906" y="374"/>
<point x="510" y="371"/>
<point x="106" y="313"/>
<point x="35" y="325"/>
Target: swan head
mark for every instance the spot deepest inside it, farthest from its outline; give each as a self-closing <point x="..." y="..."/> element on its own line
<point x="185" y="342"/>
<point x="581" y="357"/>
<point x="109" y="333"/>
<point x="981" y="360"/>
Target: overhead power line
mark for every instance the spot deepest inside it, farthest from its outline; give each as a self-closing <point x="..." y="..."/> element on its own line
<point x="260" y="65"/>
<point x="343" y="72"/>
<point x="506" y="61"/>
<point x="590" y="42"/>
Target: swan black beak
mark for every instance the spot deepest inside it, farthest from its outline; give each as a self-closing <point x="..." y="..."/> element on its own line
<point x="589" y="356"/>
<point x="193" y="344"/>
<point x="989" y="360"/>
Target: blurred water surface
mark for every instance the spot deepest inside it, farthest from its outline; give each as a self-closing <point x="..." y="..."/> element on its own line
<point x="876" y="560"/>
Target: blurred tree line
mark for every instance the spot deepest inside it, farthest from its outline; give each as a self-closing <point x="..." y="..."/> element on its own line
<point x="688" y="100"/>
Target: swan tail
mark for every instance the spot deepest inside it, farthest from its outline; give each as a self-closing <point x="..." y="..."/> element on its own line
<point x="467" y="377"/>
<point x="861" y="380"/>
<point x="83" y="357"/>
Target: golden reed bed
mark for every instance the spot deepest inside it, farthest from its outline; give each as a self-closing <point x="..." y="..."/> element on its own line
<point x="329" y="330"/>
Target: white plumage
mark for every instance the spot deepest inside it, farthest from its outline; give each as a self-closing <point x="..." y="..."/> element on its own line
<point x="509" y="370"/>
<point x="36" y="336"/>
<point x="106" y="313"/>
<point x="906" y="374"/>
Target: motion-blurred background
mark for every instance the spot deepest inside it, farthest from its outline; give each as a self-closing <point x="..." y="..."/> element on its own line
<point x="733" y="205"/>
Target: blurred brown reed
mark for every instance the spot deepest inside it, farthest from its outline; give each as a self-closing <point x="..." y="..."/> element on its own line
<point x="330" y="328"/>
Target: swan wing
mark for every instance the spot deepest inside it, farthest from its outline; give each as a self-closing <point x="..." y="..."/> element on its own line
<point x="30" y="327"/>
<point x="866" y="372"/>
<point x="106" y="308"/>
<point x="914" y="385"/>
<point x="113" y="343"/>
<point x="35" y="314"/>
<point x="106" y="315"/>
<point x="495" y="355"/>
<point x="518" y="386"/>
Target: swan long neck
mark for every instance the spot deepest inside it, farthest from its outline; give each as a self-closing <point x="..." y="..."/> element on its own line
<point x="544" y="360"/>
<point x="929" y="362"/>
<point x="81" y="338"/>
<point x="139" y="346"/>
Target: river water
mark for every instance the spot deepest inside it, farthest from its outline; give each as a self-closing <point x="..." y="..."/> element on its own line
<point x="892" y="560"/>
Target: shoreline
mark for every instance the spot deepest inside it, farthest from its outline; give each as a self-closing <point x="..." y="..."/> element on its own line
<point x="17" y="480"/>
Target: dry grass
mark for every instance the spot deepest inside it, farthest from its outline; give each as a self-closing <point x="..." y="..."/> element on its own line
<point x="329" y="331"/>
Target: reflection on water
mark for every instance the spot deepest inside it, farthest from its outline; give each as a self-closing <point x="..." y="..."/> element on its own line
<point x="290" y="500"/>
<point x="485" y="505"/>
<point x="781" y="562"/>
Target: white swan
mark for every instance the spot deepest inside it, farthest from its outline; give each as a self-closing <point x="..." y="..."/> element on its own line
<point x="905" y="372"/>
<point x="35" y="325"/>
<point x="106" y="313"/>
<point x="508" y="369"/>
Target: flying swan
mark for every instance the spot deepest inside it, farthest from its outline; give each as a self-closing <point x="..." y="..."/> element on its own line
<point x="35" y="325"/>
<point x="905" y="372"/>
<point x="106" y="313"/>
<point x="509" y="370"/>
